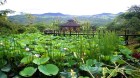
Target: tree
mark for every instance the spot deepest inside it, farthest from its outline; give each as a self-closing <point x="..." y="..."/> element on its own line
<point x="6" y="26"/>
<point x="134" y="24"/>
<point x="3" y="13"/>
<point x="30" y="18"/>
<point x="40" y="26"/>
<point x="134" y="8"/>
<point x="128" y="20"/>
<point x="2" y="2"/>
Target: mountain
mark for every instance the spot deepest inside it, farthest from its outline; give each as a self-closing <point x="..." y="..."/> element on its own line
<point x="103" y="14"/>
<point x="98" y="19"/>
<point x="50" y="14"/>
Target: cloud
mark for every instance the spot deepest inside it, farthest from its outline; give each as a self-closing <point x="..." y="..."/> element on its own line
<point x="75" y="7"/>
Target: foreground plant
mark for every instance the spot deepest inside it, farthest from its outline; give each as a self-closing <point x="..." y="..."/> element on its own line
<point x="41" y="56"/>
<point x="42" y="66"/>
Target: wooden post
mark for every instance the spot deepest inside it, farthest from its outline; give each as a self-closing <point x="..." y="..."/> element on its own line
<point x="63" y="33"/>
<point x="58" y="33"/>
<point x="126" y="38"/>
<point x="77" y="33"/>
<point x="54" y="33"/>
<point x="70" y="32"/>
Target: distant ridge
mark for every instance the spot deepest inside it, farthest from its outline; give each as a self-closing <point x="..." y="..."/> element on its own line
<point x="107" y="14"/>
<point x="97" y="19"/>
<point x="50" y="14"/>
<point x="61" y="14"/>
<point x="110" y="13"/>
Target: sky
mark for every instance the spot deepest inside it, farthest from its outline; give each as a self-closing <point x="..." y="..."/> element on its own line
<point x="73" y="7"/>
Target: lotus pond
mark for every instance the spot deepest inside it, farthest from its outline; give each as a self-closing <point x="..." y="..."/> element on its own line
<point x="46" y="56"/>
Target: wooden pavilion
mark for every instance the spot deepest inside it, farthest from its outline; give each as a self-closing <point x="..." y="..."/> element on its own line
<point x="70" y="25"/>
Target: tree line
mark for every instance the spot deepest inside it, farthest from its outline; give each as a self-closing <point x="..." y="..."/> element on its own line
<point x="130" y="20"/>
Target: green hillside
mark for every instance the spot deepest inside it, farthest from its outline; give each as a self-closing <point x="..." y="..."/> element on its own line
<point x="96" y="20"/>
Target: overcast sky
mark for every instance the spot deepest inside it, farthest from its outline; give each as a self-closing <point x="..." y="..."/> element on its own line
<point x="73" y="7"/>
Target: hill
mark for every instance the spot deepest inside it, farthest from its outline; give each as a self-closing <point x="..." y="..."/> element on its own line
<point x="50" y="14"/>
<point x="98" y="19"/>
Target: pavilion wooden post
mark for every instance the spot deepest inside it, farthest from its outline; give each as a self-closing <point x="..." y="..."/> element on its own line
<point x="63" y="33"/>
<point x="70" y="32"/>
<point x="54" y="33"/>
<point x="58" y="33"/>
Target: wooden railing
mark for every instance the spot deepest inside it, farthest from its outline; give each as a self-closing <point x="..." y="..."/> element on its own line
<point x="125" y="34"/>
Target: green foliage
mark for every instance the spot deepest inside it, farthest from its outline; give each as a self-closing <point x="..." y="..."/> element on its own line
<point x="30" y="19"/>
<point x="6" y="68"/>
<point x="27" y="59"/>
<point x="129" y="20"/>
<point x="95" y="20"/>
<point x="28" y="71"/>
<point x="3" y="62"/>
<point x="41" y="60"/>
<point x="134" y="8"/>
<point x="69" y="55"/>
<point x="31" y="29"/>
<point x="8" y="27"/>
<point x="107" y="42"/>
<point x="92" y="66"/>
<point x="41" y="26"/>
<point x="125" y="51"/>
<point x="48" y="69"/>
<point x="5" y="12"/>
<point x="83" y="77"/>
<point x="3" y="75"/>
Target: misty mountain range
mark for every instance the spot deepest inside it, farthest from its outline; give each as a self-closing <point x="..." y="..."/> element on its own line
<point x="98" y="19"/>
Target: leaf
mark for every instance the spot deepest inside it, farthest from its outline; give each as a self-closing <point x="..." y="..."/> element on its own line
<point x="97" y="64"/>
<point x="40" y="61"/>
<point x="121" y="61"/>
<point x="128" y="69"/>
<point x="71" y="62"/>
<point x="117" y="59"/>
<point x="39" y="48"/>
<point x="27" y="60"/>
<point x="126" y="52"/>
<point x="6" y="68"/>
<point x="82" y="77"/>
<point x="105" y="71"/>
<point x="89" y="62"/>
<point x="91" y="69"/>
<point x="3" y="75"/>
<point x="28" y="71"/>
<point x="2" y="62"/>
<point x="22" y="44"/>
<point x="106" y="58"/>
<point x="113" y="72"/>
<point x="114" y="58"/>
<point x="17" y="76"/>
<point x="49" y="69"/>
<point x="64" y="74"/>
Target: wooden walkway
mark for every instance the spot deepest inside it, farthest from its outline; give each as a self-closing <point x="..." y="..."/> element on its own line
<point x="60" y="33"/>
